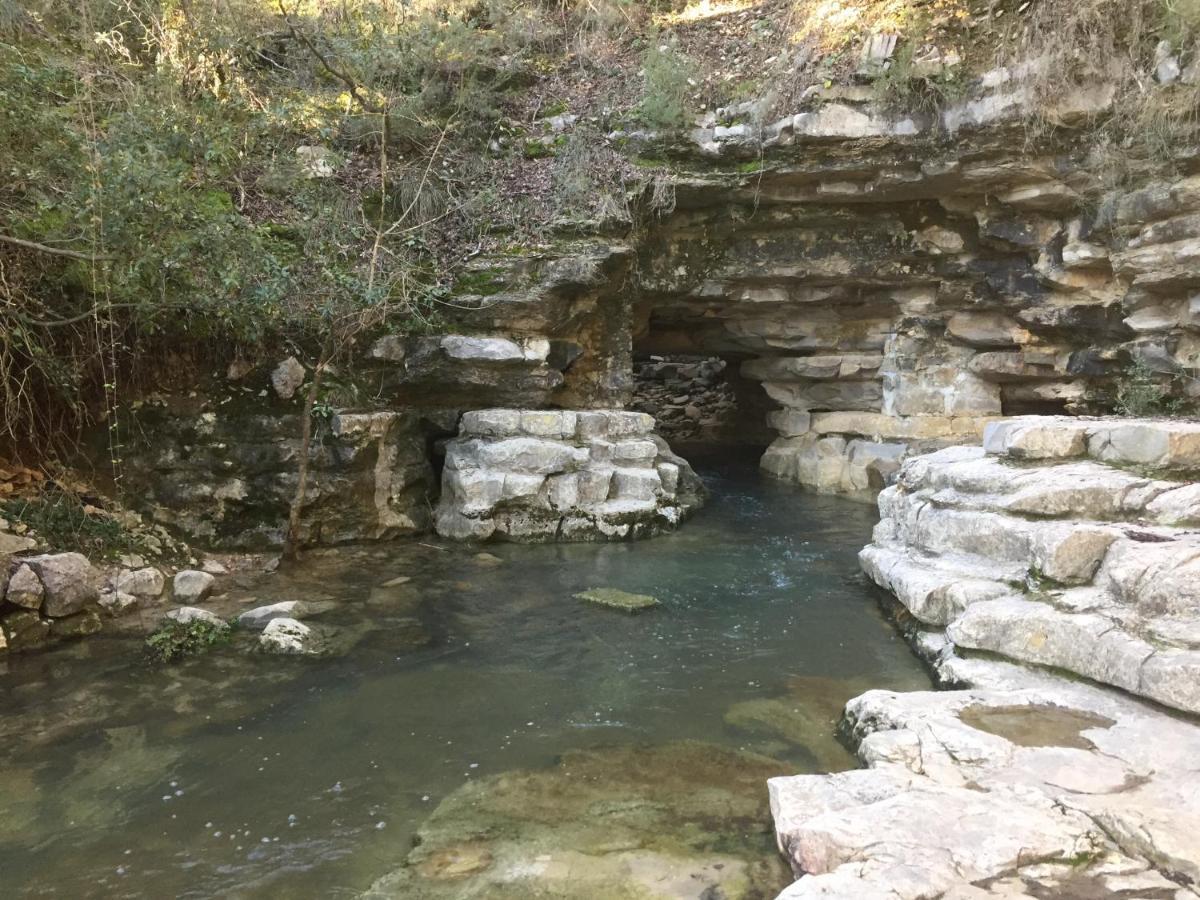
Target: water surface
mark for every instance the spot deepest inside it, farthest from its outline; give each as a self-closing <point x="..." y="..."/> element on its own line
<point x="241" y="775"/>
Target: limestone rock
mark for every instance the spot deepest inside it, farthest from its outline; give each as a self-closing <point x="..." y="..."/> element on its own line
<point x="287" y="636"/>
<point x="259" y="617"/>
<point x="185" y="615"/>
<point x="70" y="582"/>
<point x="25" y="588"/>
<point x="191" y="586"/>
<point x="145" y="583"/>
<point x="1024" y="550"/>
<point x="542" y="475"/>
<point x="287" y="377"/>
<point x="615" y="599"/>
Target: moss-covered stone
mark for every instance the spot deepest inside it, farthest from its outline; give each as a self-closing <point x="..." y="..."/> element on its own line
<point x="616" y="599"/>
<point x="683" y="819"/>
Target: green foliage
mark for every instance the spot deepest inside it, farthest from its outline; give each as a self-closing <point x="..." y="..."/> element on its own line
<point x="1140" y="391"/>
<point x="62" y="521"/>
<point x="909" y="87"/>
<point x="666" y="91"/>
<point x="178" y="640"/>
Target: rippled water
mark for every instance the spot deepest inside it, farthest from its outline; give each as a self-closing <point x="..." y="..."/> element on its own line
<point x="240" y="775"/>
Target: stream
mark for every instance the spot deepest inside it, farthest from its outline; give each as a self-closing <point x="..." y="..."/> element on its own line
<point x="477" y="704"/>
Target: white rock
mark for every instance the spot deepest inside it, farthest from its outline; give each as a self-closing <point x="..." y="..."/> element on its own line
<point x="146" y="583"/>
<point x="287" y="378"/>
<point x="69" y="579"/>
<point x="188" y="614"/>
<point x="25" y="588"/>
<point x="191" y="585"/>
<point x="288" y="636"/>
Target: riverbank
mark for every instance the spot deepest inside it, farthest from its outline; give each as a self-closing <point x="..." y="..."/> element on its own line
<point x="1047" y="579"/>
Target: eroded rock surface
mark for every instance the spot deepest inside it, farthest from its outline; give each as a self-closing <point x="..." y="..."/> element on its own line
<point x="1053" y="546"/>
<point x="682" y="821"/>
<point x="546" y="475"/>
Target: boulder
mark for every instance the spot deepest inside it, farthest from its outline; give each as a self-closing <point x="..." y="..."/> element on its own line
<point x="25" y="588"/>
<point x="70" y="582"/>
<point x="147" y="583"/>
<point x="191" y="586"/>
<point x="287" y="377"/>
<point x="287" y="636"/>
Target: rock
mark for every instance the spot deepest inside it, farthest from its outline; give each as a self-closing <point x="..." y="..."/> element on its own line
<point x="259" y="617"/>
<point x="25" y="588"/>
<point x="546" y="475"/>
<point x="1166" y="65"/>
<point x="185" y="615"/>
<point x="70" y="582"/>
<point x="15" y="543"/>
<point x="658" y="822"/>
<point x="191" y="585"/>
<point x="315" y="162"/>
<point x="115" y="602"/>
<point x="25" y="630"/>
<point x="287" y="378"/>
<point x="287" y="636"/>
<point x="618" y="599"/>
<point x="79" y="625"/>
<point x="147" y="583"/>
<point x="214" y="567"/>
<point x="1030" y="553"/>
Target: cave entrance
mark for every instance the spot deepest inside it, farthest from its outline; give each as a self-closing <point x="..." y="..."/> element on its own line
<point x="701" y="399"/>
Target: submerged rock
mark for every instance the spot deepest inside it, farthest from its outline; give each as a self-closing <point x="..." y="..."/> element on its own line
<point x="680" y="820"/>
<point x="259" y="617"/>
<point x="185" y="615"/>
<point x="616" y="599"/>
<point x="284" y="635"/>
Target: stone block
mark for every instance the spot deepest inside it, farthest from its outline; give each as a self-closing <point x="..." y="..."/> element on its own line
<point x="634" y="484"/>
<point x="490" y="422"/>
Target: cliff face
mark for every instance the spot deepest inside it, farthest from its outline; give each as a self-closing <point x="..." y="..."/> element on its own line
<point x="884" y="284"/>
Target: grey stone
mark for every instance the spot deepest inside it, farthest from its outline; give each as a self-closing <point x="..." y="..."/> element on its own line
<point x="185" y="615"/>
<point x="25" y="588"/>
<point x="191" y="585"/>
<point x="70" y="582"/>
<point x="146" y="583"/>
<point x="287" y="377"/>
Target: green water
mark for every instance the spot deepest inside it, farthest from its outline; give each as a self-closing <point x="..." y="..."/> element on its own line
<point x="242" y="775"/>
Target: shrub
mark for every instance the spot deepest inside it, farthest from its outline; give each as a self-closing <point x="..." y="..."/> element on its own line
<point x="179" y="640"/>
<point x="1140" y="391"/>
<point x="65" y="522"/>
<point x="666" y="89"/>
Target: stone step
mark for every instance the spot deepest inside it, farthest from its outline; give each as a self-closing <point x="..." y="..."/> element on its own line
<point x="1110" y="649"/>
<point x="1162" y="444"/>
<point x="1046" y="788"/>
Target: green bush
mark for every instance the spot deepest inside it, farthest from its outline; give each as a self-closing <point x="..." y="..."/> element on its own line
<point x="666" y="89"/>
<point x="179" y="640"/>
<point x="1140" y="391"/>
<point x="63" y="522"/>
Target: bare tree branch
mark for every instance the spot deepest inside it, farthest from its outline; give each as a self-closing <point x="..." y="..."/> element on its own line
<point x="56" y="251"/>
<point x="351" y="84"/>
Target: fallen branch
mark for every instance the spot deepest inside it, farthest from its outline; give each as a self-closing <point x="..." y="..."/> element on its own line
<point x="56" y="251"/>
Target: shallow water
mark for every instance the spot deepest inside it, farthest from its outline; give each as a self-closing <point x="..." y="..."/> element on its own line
<point x="239" y="775"/>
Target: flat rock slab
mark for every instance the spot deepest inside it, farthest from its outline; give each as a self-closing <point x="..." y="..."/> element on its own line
<point x="616" y="599"/>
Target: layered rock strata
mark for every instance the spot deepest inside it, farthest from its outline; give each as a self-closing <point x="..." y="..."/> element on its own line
<point x="545" y="475"/>
<point x="1063" y="548"/>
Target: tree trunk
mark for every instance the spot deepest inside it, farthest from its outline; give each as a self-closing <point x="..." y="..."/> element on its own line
<point x="291" y="546"/>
